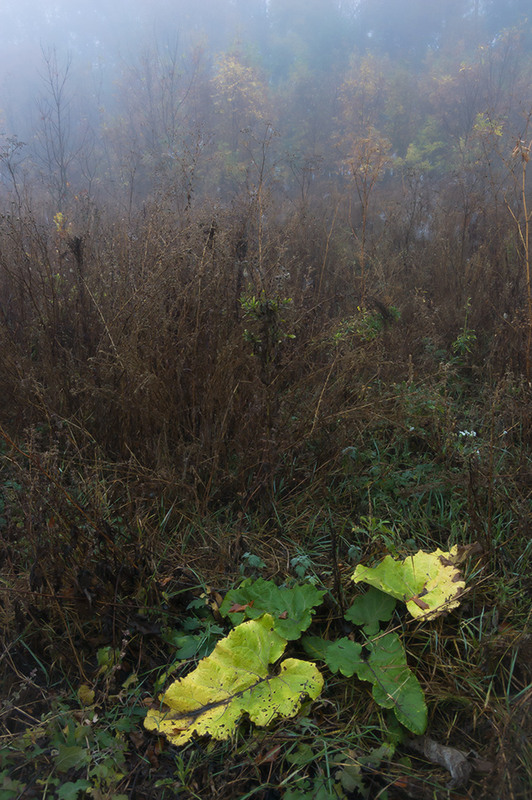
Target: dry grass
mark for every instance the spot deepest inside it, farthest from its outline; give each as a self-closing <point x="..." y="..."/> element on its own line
<point x="149" y="444"/>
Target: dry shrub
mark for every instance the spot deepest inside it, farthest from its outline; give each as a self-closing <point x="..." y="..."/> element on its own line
<point x="135" y="331"/>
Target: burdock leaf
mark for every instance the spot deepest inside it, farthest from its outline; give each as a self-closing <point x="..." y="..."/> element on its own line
<point x="291" y="608"/>
<point x="429" y="583"/>
<point x="235" y="680"/>
<point x="382" y="662"/>
<point x="342" y="655"/>
<point x="394" y="685"/>
<point x="370" y="608"/>
<point x="315" y="647"/>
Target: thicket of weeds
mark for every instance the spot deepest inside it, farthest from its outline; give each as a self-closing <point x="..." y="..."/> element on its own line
<point x="187" y="401"/>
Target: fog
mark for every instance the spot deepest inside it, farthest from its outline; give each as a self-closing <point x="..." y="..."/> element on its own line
<point x="119" y="102"/>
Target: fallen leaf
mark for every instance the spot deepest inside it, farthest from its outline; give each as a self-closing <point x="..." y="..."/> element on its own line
<point x="238" y="607"/>
<point x="86" y="695"/>
<point x="419" y="602"/>
<point x="455" y="761"/>
<point x="137" y="739"/>
<point x="268" y="757"/>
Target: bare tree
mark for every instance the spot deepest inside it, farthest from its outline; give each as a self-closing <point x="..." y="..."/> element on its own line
<point x="11" y="159"/>
<point x="56" y="148"/>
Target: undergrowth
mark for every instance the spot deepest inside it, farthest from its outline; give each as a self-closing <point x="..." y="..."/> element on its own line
<point x="177" y="419"/>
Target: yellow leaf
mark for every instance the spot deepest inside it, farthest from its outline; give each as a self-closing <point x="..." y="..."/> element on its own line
<point x="85" y="695"/>
<point x="429" y="583"/>
<point x="235" y="680"/>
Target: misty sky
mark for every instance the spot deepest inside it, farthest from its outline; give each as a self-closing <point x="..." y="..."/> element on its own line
<point x="130" y="73"/>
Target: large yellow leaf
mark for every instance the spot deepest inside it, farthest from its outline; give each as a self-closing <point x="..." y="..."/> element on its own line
<point x="429" y="583"/>
<point x="235" y="680"/>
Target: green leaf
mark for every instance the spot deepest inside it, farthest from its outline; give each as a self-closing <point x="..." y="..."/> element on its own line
<point x="235" y="680"/>
<point x="394" y="685"/>
<point x="303" y="792"/>
<point x="304" y="754"/>
<point x="320" y="788"/>
<point x="375" y="757"/>
<point x="71" y="790"/>
<point x="351" y="780"/>
<point x="108" y="658"/>
<point x="342" y="655"/>
<point x="428" y="583"/>
<point x="192" y="645"/>
<point x="10" y="789"/>
<point x="316" y="647"/>
<point x="350" y="775"/>
<point x="71" y="757"/>
<point x="370" y="608"/>
<point x="291" y="609"/>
